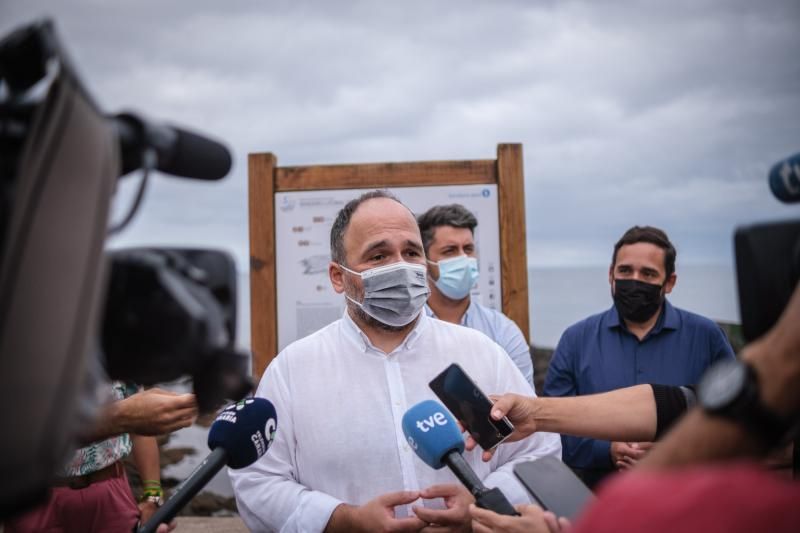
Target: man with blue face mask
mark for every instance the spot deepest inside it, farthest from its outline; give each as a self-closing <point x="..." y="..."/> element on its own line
<point x="340" y="461"/>
<point x="448" y="235"/>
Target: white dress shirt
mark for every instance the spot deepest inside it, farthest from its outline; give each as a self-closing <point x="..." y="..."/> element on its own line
<point x="501" y="330"/>
<point x="340" y="402"/>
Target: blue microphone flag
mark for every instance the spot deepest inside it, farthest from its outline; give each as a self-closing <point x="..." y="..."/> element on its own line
<point x="784" y="179"/>
<point x="432" y="432"/>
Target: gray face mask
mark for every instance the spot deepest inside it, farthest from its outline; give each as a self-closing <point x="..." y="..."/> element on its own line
<point x="393" y="294"/>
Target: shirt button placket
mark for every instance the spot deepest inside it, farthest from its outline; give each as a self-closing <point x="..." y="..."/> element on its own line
<point x="397" y="399"/>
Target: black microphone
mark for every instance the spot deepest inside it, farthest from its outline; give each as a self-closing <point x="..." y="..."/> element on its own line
<point x="178" y="152"/>
<point x="434" y="436"/>
<point x="240" y="435"/>
<point x="784" y="179"/>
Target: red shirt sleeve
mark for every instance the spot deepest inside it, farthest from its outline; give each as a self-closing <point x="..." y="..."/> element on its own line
<point x="730" y="498"/>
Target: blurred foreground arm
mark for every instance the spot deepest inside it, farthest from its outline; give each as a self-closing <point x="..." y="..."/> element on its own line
<point x="150" y="412"/>
<point x="701" y="437"/>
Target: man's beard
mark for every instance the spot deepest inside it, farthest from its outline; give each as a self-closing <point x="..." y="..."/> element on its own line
<point x="362" y="315"/>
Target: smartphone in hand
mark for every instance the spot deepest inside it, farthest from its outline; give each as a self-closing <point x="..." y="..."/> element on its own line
<point x="554" y="486"/>
<point x="471" y="406"/>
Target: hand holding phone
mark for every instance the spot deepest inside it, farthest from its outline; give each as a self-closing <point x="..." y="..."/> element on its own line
<point x="471" y="407"/>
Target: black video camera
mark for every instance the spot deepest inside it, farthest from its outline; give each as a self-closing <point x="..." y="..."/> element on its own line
<point x="154" y="315"/>
<point x="767" y="271"/>
<point x="768" y="257"/>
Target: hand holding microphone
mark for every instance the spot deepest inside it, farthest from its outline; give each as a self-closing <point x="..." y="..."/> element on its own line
<point x="240" y="435"/>
<point x="434" y="436"/>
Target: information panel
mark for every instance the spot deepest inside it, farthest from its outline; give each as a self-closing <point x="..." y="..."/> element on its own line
<point x="303" y="220"/>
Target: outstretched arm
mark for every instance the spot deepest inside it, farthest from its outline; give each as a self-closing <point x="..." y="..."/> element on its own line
<point x="150" y="412"/>
<point x="623" y="414"/>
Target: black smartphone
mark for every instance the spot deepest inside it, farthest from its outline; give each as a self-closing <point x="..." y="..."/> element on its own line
<point x="554" y="486"/>
<point x="471" y="406"/>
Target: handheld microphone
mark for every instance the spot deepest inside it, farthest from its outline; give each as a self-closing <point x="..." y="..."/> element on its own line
<point x="434" y="436"/>
<point x="240" y="435"/>
<point x="784" y="179"/>
<point x="178" y="152"/>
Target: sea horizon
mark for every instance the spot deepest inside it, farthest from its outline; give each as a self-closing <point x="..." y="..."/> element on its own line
<point x="559" y="296"/>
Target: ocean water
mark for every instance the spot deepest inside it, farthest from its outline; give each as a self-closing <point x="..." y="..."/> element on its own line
<point x="558" y="298"/>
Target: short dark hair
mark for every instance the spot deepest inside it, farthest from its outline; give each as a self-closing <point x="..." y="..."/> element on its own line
<point x="455" y="215"/>
<point x="338" y="253"/>
<point x="653" y="236"/>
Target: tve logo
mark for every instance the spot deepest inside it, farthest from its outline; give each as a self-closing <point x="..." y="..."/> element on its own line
<point x="436" y="419"/>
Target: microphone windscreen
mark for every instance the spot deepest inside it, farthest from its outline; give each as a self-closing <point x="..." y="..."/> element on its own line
<point x="784" y="179"/>
<point x="244" y="430"/>
<point x="432" y="432"/>
<point x="198" y="157"/>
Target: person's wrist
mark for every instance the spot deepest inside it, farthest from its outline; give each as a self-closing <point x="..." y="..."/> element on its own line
<point x="120" y="416"/>
<point x="535" y="408"/>
<point x="778" y="372"/>
<point x="152" y="492"/>
<point x="343" y="518"/>
<point x="540" y="414"/>
<point x="111" y="419"/>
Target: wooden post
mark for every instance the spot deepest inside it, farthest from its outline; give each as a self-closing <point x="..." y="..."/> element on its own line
<point x="263" y="296"/>
<point x="513" y="240"/>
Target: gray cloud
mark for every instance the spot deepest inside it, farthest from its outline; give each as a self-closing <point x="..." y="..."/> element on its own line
<point x="629" y="112"/>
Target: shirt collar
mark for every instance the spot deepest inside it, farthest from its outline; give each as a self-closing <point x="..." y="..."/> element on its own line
<point x="464" y="318"/>
<point x="672" y="319"/>
<point x="355" y="333"/>
<point x="468" y="314"/>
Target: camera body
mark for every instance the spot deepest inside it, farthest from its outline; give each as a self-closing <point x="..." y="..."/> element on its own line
<point x="172" y="312"/>
<point x="169" y="313"/>
<point x="767" y="271"/>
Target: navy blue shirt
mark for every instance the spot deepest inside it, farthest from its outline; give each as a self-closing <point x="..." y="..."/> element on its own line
<point x="599" y="354"/>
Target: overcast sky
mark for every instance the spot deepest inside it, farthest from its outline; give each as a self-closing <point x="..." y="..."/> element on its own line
<point x="662" y="113"/>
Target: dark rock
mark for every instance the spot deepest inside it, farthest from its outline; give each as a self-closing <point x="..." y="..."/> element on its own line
<point x="171" y="456"/>
<point x="541" y="361"/>
<point x="210" y="504"/>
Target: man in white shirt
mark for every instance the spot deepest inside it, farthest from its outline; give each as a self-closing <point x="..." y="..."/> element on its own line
<point x="340" y="461"/>
<point x="448" y="235"/>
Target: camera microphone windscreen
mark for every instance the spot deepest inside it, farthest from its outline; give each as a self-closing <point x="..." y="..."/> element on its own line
<point x="178" y="152"/>
<point x="784" y="179"/>
<point x="432" y="432"/>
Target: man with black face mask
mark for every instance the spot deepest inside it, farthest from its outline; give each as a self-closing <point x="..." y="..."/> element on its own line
<point x="641" y="339"/>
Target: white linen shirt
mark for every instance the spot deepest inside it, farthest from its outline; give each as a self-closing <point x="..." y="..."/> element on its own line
<point x="340" y="402"/>
<point x="501" y="330"/>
